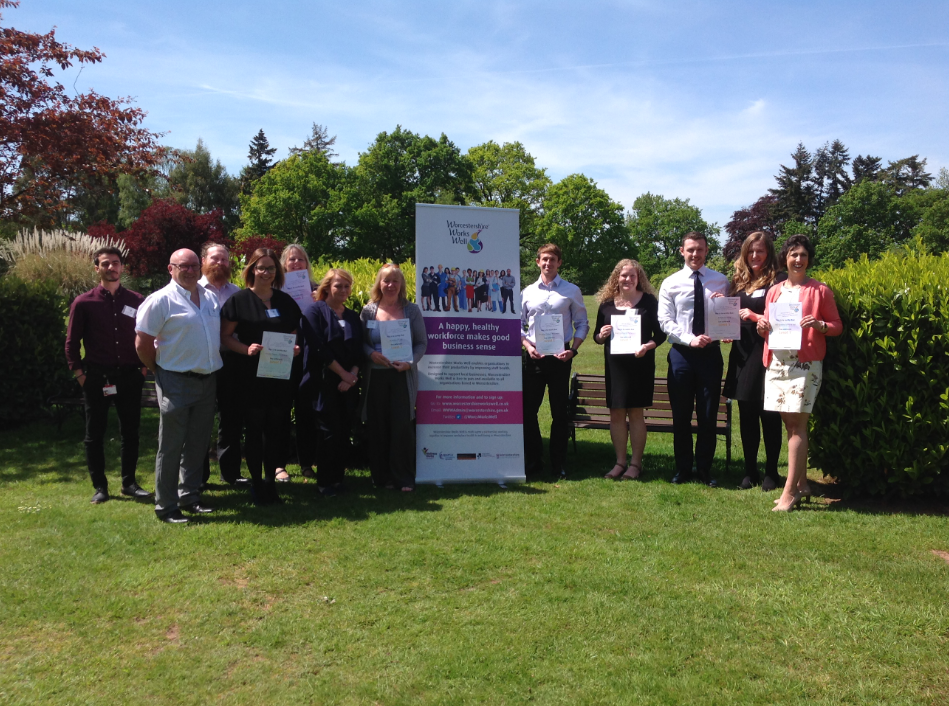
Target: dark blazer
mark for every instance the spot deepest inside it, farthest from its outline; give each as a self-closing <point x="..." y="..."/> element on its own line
<point x="325" y="341"/>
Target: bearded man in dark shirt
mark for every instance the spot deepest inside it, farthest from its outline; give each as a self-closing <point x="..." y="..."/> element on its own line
<point x="103" y="320"/>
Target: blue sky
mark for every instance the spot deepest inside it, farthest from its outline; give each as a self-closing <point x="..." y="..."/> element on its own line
<point x="697" y="100"/>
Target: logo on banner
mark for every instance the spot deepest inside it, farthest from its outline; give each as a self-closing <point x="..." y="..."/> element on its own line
<point x="475" y="244"/>
<point x="467" y="234"/>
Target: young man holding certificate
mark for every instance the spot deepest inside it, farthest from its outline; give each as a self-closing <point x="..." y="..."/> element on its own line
<point x="555" y="320"/>
<point x="695" y="361"/>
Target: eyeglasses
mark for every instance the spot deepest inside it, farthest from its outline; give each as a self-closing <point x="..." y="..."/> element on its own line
<point x="186" y="268"/>
<point x="266" y="270"/>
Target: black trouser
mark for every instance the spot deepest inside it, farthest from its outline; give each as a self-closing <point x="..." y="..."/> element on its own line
<point x="265" y="431"/>
<point x="507" y="295"/>
<point x="749" y="413"/>
<point x="306" y="424"/>
<point x="229" y="428"/>
<point x="128" y="406"/>
<point x="695" y="382"/>
<point x="335" y="421"/>
<point x="552" y="374"/>
<point x="391" y="429"/>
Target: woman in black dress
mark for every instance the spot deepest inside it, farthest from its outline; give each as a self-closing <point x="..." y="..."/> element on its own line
<point x="266" y="402"/>
<point x="755" y="271"/>
<point x="630" y="378"/>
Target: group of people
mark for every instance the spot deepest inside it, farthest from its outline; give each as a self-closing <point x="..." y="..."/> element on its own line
<point x="202" y="337"/>
<point x="769" y="385"/>
<point x="459" y="289"/>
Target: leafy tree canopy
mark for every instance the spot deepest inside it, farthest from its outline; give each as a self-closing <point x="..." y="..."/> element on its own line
<point x="656" y="226"/>
<point x="300" y="200"/>
<point x="506" y="176"/>
<point x="589" y="227"/>
<point x="203" y="185"/>
<point x="399" y="170"/>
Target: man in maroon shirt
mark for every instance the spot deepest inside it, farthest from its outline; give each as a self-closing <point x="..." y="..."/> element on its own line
<point x="103" y="319"/>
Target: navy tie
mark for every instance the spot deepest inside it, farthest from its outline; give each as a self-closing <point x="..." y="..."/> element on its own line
<point x="698" y="301"/>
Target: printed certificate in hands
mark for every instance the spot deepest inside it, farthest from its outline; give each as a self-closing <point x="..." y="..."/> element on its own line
<point x="276" y="359"/>
<point x="548" y="330"/>
<point x="396" y="338"/>
<point x="724" y="322"/>
<point x="785" y="318"/>
<point x="297" y="285"/>
<point x="626" y="336"/>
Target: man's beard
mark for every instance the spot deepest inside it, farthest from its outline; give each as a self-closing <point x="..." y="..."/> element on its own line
<point x="214" y="271"/>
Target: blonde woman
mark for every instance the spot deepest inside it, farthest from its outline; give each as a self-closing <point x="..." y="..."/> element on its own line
<point x="333" y="357"/>
<point x="756" y="269"/>
<point x="630" y="378"/>
<point x="292" y="259"/>
<point x="391" y="386"/>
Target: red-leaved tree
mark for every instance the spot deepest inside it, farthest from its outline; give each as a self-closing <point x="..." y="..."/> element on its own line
<point x="166" y="226"/>
<point x="245" y="247"/>
<point x="759" y="216"/>
<point x="53" y="144"/>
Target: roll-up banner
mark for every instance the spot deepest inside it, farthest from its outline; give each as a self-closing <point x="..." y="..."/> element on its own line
<point x="469" y="411"/>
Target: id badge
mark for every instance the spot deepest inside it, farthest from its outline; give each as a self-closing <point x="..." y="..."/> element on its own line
<point x="109" y="390"/>
<point x="273" y="313"/>
<point x="129" y="311"/>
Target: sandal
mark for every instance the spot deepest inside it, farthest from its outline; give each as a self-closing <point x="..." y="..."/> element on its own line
<point x="614" y="473"/>
<point x="282" y="475"/>
<point x="632" y="473"/>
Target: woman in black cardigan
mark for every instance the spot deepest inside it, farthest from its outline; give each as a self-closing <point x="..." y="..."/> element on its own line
<point x="333" y="353"/>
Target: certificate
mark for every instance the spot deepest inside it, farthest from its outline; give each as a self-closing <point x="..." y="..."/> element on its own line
<point x="724" y="323"/>
<point x="626" y="336"/>
<point x="276" y="358"/>
<point x="396" y="338"/>
<point x="548" y="330"/>
<point x="297" y="285"/>
<point x="785" y="318"/>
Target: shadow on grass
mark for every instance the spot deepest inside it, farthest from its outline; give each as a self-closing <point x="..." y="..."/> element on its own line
<point x="833" y="496"/>
<point x="302" y="503"/>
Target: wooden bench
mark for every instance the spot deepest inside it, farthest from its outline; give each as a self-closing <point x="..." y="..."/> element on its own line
<point x="588" y="410"/>
<point x="62" y="405"/>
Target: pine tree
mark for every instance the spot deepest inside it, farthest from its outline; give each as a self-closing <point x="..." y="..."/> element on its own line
<point x="319" y="141"/>
<point x="259" y="155"/>
<point x="795" y="193"/>
<point x="866" y="168"/>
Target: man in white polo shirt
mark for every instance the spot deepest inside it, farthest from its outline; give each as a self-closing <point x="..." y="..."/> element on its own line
<point x="178" y="337"/>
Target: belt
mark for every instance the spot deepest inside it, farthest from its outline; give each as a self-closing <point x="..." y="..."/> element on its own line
<point x="190" y="374"/>
<point x="683" y="348"/>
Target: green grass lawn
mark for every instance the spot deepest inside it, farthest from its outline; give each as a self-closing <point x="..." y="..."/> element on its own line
<point x="586" y="591"/>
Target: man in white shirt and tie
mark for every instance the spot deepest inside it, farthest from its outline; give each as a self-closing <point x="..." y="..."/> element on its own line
<point x="695" y="360"/>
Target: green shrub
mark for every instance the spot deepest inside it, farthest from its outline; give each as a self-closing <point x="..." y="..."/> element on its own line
<point x="881" y="425"/>
<point x="33" y="331"/>
<point x="364" y="275"/>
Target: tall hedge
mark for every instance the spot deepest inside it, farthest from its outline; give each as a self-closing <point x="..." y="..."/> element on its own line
<point x="33" y="331"/>
<point x="364" y="275"/>
<point x="881" y="423"/>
